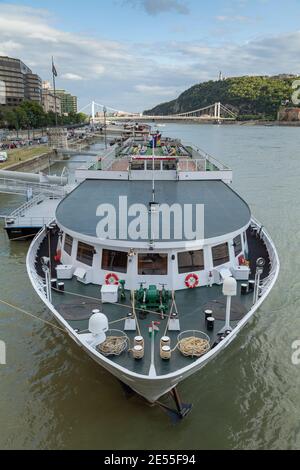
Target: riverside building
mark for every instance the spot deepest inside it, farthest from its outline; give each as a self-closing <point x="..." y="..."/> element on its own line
<point x="51" y="102"/>
<point x="18" y="82"/>
<point x="68" y="101"/>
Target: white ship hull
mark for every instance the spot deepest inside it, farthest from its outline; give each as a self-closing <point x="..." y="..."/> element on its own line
<point x="152" y="387"/>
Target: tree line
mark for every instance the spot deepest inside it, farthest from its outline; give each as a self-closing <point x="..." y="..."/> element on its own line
<point x="31" y="115"/>
<point x="250" y="97"/>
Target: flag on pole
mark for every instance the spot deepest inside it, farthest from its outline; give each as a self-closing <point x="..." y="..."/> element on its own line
<point x="54" y="71"/>
<point x="154" y="327"/>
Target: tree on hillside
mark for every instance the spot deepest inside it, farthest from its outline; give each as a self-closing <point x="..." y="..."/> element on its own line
<point x="258" y="96"/>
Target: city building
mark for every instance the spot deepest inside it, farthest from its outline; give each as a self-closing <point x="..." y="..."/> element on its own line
<point x="18" y="83"/>
<point x="49" y="99"/>
<point x="68" y="101"/>
<point x="33" y="87"/>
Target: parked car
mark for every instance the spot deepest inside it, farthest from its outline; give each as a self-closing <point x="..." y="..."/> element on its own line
<point x="3" y="157"/>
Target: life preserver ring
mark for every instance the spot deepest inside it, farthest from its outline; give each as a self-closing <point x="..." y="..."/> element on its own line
<point x="111" y="279"/>
<point x="57" y="257"/>
<point x="192" y="281"/>
<point x="243" y="261"/>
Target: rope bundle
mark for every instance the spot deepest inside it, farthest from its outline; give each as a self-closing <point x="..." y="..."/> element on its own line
<point x="193" y="347"/>
<point x="113" y="346"/>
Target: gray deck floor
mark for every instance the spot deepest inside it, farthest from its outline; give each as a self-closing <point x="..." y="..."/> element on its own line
<point x="38" y="214"/>
<point x="190" y="303"/>
<point x="76" y="309"/>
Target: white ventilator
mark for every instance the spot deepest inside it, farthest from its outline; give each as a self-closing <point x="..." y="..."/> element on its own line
<point x="98" y="326"/>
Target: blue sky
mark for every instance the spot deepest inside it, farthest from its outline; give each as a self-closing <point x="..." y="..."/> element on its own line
<point x="134" y="54"/>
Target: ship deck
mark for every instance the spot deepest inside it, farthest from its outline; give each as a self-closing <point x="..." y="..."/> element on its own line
<point x="35" y="215"/>
<point x="78" y="301"/>
<point x="224" y="210"/>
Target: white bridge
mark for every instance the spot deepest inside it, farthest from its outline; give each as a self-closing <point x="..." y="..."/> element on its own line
<point x="216" y="112"/>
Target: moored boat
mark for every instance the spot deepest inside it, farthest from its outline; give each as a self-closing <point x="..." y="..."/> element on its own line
<point x="153" y="263"/>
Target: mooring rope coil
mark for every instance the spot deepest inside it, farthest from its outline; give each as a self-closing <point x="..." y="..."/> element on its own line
<point x="113" y="346"/>
<point x="193" y="346"/>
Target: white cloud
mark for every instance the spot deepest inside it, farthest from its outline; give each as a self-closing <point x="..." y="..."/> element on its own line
<point x="71" y="76"/>
<point x="134" y="76"/>
<point x="156" y="90"/>
<point x="234" y="18"/>
<point x="155" y="7"/>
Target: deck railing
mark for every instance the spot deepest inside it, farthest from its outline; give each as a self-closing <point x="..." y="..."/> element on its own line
<point x="189" y="164"/>
<point x="198" y="152"/>
<point x="12" y="186"/>
<point x="274" y="260"/>
<point x="17" y="217"/>
<point x="27" y="221"/>
<point x="31" y="262"/>
<point x="32" y="202"/>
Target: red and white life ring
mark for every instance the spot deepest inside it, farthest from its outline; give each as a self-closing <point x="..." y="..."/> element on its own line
<point x="111" y="279"/>
<point x="57" y="257"/>
<point x="192" y="281"/>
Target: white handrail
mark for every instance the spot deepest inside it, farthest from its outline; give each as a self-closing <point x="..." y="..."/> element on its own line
<point x="274" y="260"/>
<point x="32" y="259"/>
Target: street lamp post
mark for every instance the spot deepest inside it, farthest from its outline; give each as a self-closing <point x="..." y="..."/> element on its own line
<point x="105" y="134"/>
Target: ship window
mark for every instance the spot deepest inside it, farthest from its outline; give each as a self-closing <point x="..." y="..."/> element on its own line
<point x="220" y="254"/>
<point x="85" y="253"/>
<point x="237" y="244"/>
<point x="153" y="264"/>
<point x="156" y="165"/>
<point x="68" y="244"/>
<point x="115" y="261"/>
<point x="190" y="261"/>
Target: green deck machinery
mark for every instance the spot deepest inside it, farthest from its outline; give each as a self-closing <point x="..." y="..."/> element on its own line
<point x="153" y="299"/>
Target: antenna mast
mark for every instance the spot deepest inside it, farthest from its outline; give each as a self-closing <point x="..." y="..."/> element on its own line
<point x="153" y="171"/>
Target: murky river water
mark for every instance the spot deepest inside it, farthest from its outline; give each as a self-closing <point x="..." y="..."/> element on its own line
<point x="53" y="396"/>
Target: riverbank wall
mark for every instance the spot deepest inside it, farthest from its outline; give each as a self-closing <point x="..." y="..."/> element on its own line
<point x="35" y="164"/>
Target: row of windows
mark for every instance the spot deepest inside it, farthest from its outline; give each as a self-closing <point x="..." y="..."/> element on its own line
<point x="153" y="263"/>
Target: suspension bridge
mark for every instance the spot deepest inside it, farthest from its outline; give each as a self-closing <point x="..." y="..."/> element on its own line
<point x="216" y="112"/>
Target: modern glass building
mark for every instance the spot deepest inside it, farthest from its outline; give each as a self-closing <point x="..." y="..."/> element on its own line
<point x="68" y="102"/>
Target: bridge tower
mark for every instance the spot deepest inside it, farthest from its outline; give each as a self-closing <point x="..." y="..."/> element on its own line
<point x="93" y="112"/>
<point x="217" y="114"/>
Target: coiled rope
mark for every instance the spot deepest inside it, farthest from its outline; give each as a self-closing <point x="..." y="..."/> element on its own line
<point x="193" y="347"/>
<point x="113" y="346"/>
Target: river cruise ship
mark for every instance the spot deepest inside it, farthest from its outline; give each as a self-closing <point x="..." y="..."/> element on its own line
<point x="153" y="263"/>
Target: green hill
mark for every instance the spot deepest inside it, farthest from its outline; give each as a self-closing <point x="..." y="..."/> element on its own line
<point x="254" y="97"/>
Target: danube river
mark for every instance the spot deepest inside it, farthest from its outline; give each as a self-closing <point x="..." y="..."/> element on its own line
<point x="54" y="397"/>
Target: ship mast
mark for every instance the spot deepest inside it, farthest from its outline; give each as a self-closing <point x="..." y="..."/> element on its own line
<point x="153" y="204"/>
<point x="153" y="171"/>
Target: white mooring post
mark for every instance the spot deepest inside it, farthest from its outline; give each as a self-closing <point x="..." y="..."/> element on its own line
<point x="229" y="290"/>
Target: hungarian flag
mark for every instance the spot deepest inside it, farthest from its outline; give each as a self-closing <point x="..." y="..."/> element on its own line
<point x="154" y="327"/>
<point x="54" y="71"/>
